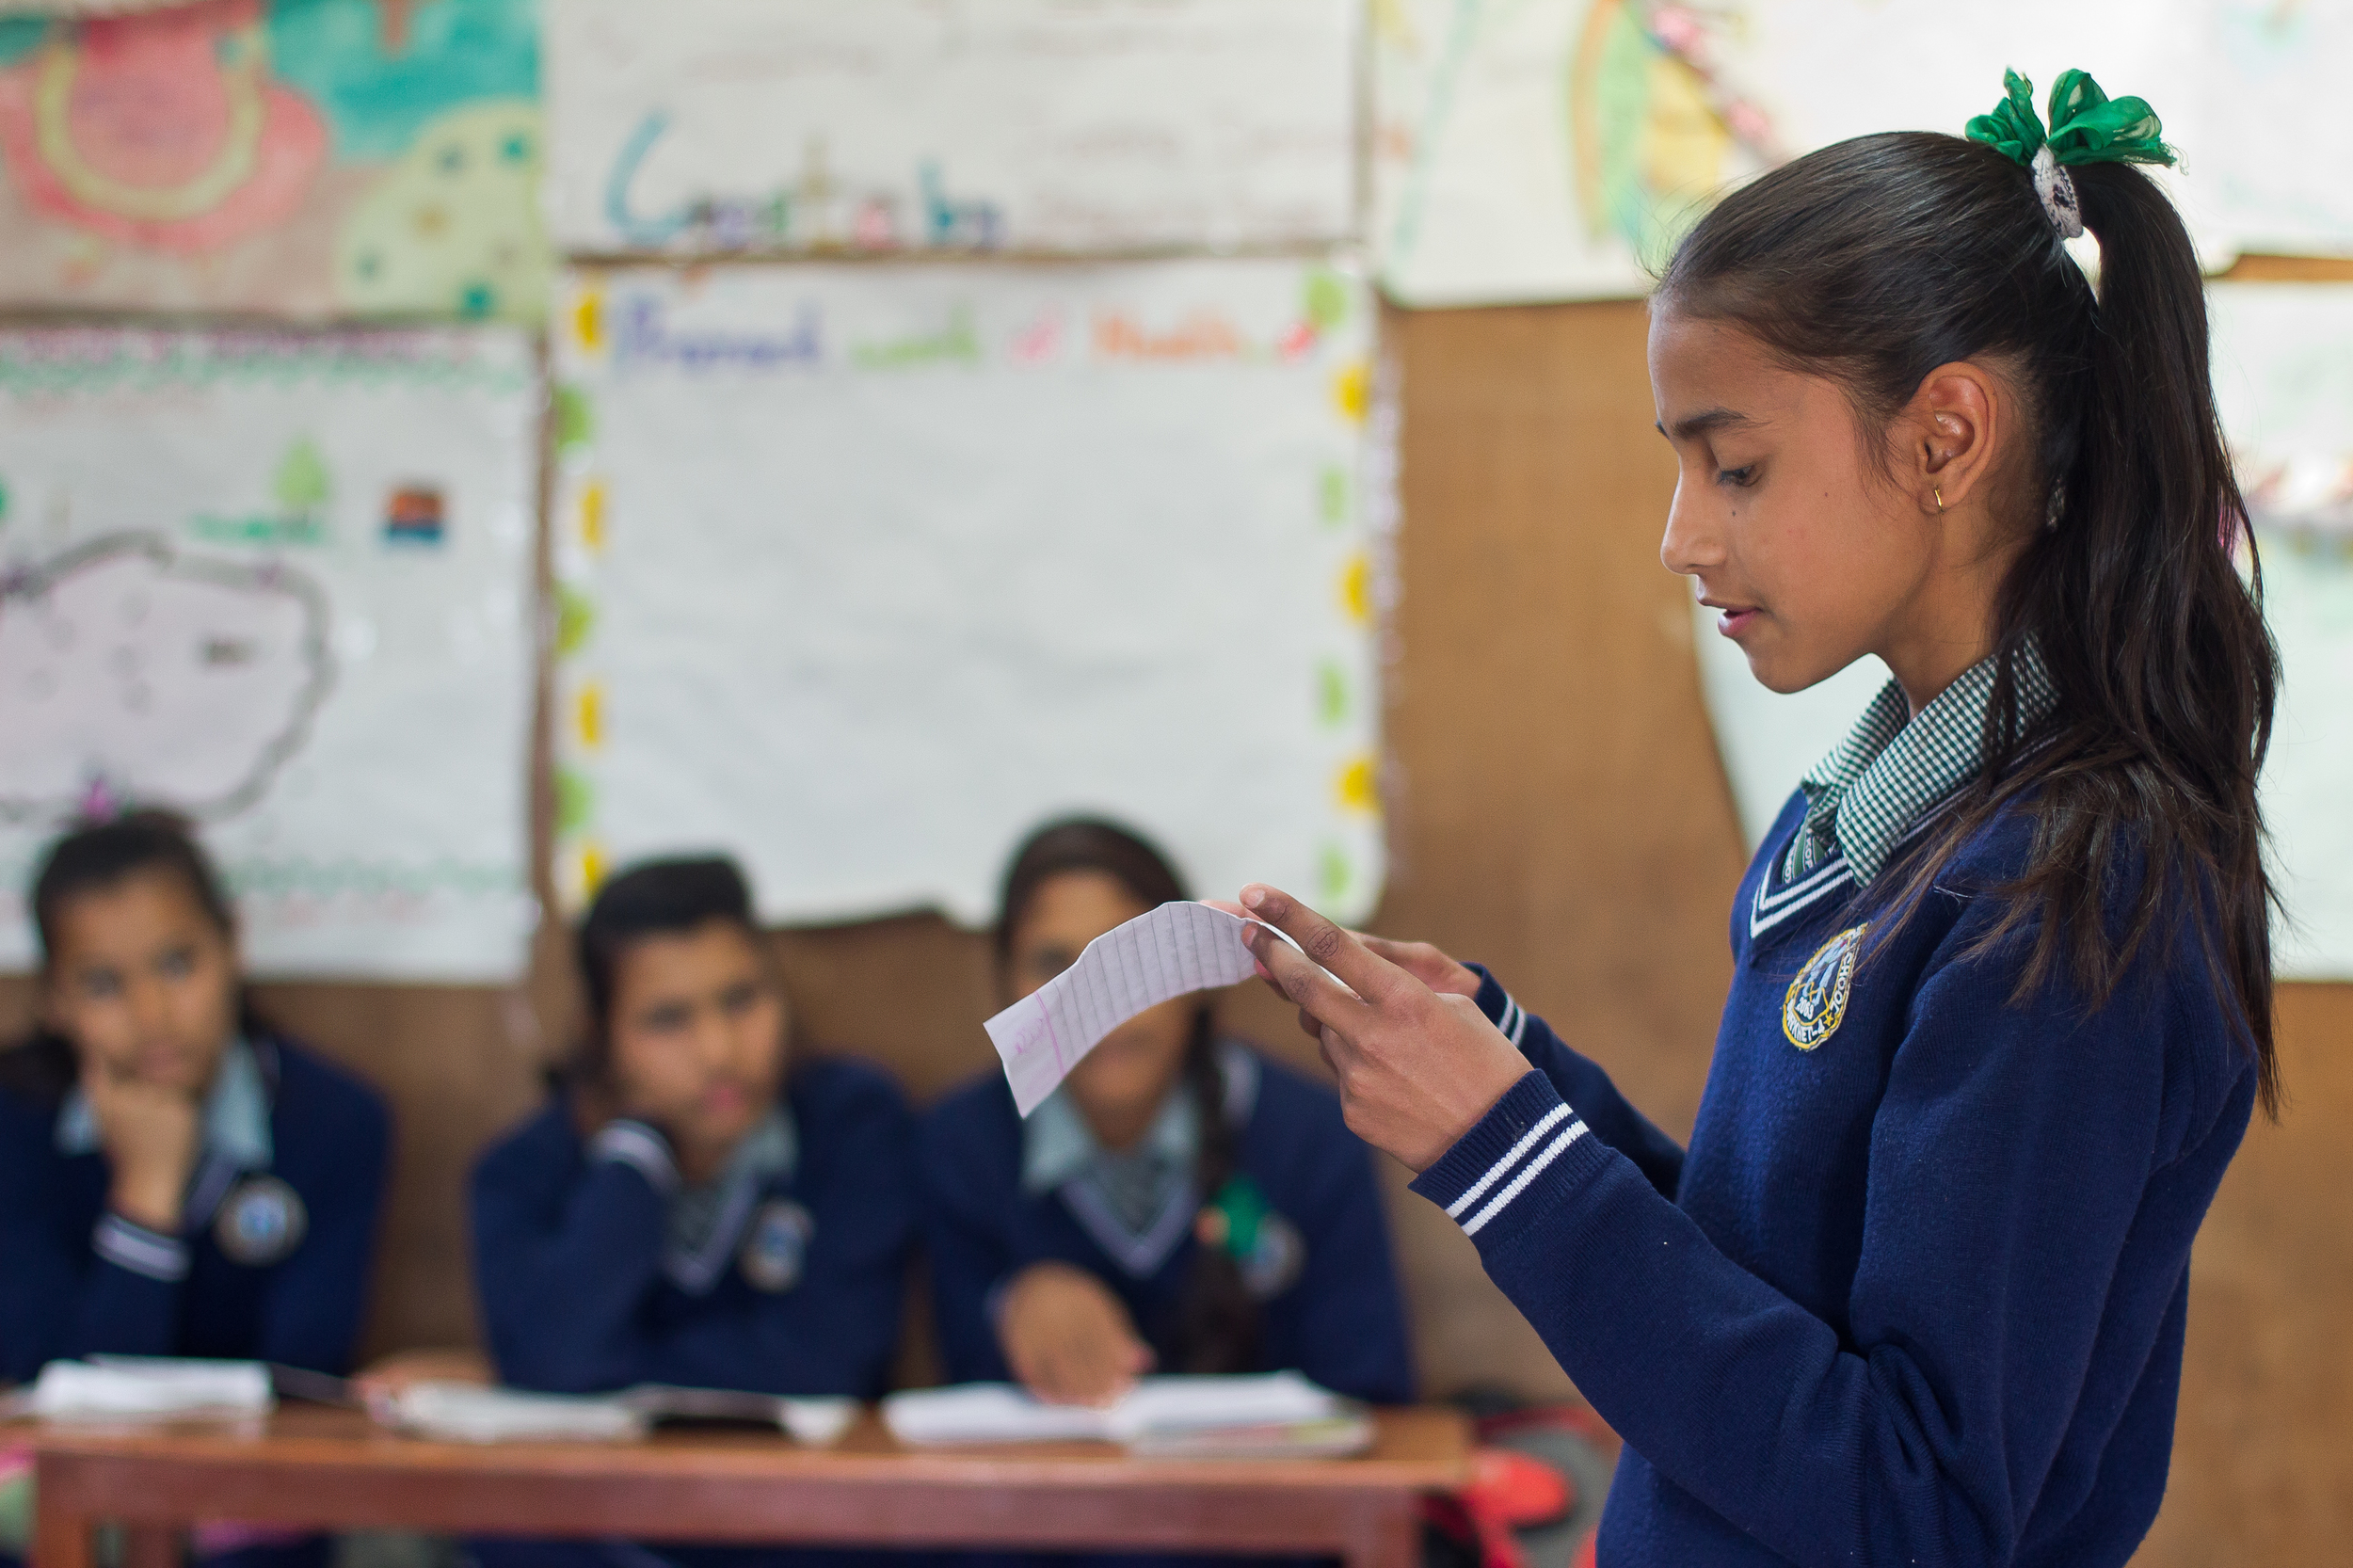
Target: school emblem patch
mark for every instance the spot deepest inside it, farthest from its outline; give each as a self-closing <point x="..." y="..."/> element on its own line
<point x="1816" y="1003"/>
<point x="776" y="1245"/>
<point x="260" y="1223"/>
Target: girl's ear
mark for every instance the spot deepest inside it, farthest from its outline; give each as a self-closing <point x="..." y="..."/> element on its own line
<point x="1951" y="434"/>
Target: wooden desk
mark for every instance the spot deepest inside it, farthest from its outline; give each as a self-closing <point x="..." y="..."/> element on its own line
<point x="310" y="1468"/>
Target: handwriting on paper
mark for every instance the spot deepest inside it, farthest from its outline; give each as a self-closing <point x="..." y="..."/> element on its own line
<point x="1175" y="950"/>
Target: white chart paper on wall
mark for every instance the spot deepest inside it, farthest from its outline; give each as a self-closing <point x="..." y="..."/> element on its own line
<point x="279" y="582"/>
<point x="866" y="571"/>
<point x="1543" y="150"/>
<point x="2283" y="375"/>
<point x="1554" y="148"/>
<point x="798" y="125"/>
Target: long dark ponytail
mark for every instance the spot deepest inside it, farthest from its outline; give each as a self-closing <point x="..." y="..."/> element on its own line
<point x="1216" y="1325"/>
<point x="1873" y="261"/>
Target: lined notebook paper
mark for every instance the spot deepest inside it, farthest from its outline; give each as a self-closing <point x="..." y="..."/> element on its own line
<point x="1173" y="950"/>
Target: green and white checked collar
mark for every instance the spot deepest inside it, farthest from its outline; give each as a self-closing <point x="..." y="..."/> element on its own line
<point x="1887" y="774"/>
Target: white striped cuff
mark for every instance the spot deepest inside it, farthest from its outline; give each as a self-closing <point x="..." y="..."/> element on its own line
<point x="1501" y="1010"/>
<point x="1525" y="1135"/>
<point x="636" y="1145"/>
<point x="1515" y="1022"/>
<point x="144" y="1251"/>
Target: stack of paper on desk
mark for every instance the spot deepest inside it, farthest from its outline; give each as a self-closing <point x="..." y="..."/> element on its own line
<point x="158" y="1388"/>
<point x="472" y="1413"/>
<point x="1274" y="1413"/>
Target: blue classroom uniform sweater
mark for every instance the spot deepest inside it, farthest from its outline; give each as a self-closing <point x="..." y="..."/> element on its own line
<point x="1341" y="1321"/>
<point x="79" y="1281"/>
<point x="568" y="1256"/>
<point x="1916" y="1292"/>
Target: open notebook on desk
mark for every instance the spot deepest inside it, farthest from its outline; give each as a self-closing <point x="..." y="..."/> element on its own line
<point x="1274" y="1414"/>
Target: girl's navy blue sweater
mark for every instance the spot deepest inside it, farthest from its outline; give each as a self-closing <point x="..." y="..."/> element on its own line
<point x="569" y="1257"/>
<point x="1340" y="1320"/>
<point x="1916" y="1292"/>
<point x="78" y="1281"/>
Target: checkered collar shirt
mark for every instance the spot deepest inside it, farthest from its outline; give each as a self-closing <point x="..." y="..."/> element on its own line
<point x="1887" y="774"/>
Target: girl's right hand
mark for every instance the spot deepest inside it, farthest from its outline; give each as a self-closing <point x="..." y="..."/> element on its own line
<point x="1068" y="1338"/>
<point x="152" y="1135"/>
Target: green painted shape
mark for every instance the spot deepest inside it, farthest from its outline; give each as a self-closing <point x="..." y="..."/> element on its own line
<point x="1335" y="872"/>
<point x="301" y="485"/>
<point x="266" y="530"/>
<point x="1330" y="693"/>
<point x="575" y="421"/>
<point x="19" y="37"/>
<point x="575" y="802"/>
<point x="1332" y="493"/>
<point x="1328" y="301"/>
<point x="575" y="618"/>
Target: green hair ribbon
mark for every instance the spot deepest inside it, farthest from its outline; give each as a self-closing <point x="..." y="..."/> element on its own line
<point x="2087" y="127"/>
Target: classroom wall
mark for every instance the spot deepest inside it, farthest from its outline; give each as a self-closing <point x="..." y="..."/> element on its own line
<point x="1559" y="811"/>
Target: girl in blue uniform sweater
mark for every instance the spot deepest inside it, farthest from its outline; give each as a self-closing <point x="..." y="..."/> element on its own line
<point x="686" y="1210"/>
<point x="176" y="1179"/>
<point x="1181" y="1204"/>
<point x="2001" y="999"/>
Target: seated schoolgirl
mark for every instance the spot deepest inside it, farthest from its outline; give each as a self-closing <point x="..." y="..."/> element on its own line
<point x="691" y="1206"/>
<point x="1180" y="1205"/>
<point x="176" y="1179"/>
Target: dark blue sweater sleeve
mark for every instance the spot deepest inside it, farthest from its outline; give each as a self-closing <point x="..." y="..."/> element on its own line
<point x="2008" y="1158"/>
<point x="865" y="1228"/>
<point x="564" y="1261"/>
<point x="1608" y="1113"/>
<point x="312" y="1307"/>
<point x="62" y="1293"/>
<point x="963" y="1199"/>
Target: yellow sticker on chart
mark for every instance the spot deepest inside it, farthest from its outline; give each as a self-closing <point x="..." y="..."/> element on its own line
<point x="1351" y="391"/>
<point x="588" y="716"/>
<point x="587" y="320"/>
<point x="1356" y="589"/>
<point x="592" y="515"/>
<point x="1359" y="785"/>
<point x="588" y="869"/>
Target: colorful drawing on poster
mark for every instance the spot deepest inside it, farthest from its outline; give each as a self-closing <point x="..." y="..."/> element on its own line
<point x="281" y="582"/>
<point x="864" y="571"/>
<point x="1552" y="148"/>
<point x="146" y="674"/>
<point x="286" y="156"/>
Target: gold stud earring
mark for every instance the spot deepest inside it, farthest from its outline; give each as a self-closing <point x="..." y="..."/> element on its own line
<point x="1938" y="492"/>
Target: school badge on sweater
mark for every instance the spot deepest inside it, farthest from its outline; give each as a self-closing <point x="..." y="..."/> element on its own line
<point x="776" y="1245"/>
<point x="1816" y="1003"/>
<point x="260" y="1222"/>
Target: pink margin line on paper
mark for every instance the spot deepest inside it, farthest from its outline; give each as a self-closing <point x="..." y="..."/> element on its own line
<point x="1048" y="1014"/>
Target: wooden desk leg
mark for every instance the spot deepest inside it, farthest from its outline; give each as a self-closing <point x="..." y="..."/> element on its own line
<point x="148" y="1546"/>
<point x="60" y="1540"/>
<point x="1387" y="1535"/>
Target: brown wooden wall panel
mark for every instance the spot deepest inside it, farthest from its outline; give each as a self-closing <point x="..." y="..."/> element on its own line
<point x="1559" y="811"/>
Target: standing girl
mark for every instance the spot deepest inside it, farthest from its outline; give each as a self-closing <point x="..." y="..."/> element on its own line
<point x="1181" y="1204"/>
<point x="2001" y="1001"/>
<point x="176" y="1179"/>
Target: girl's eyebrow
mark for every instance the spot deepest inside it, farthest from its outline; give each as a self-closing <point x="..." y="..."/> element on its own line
<point x="1705" y="423"/>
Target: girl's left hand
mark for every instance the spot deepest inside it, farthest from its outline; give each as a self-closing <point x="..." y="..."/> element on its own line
<point x="1416" y="1068"/>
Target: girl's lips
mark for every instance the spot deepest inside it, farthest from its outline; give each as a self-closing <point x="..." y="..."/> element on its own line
<point x="1733" y="621"/>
